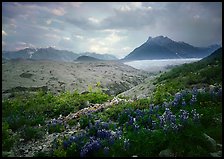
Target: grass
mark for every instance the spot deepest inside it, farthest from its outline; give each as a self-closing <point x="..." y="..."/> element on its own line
<point x="127" y="129"/>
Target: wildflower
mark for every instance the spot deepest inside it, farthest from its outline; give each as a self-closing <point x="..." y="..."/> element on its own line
<point x="126" y="144"/>
<point x="183" y="103"/>
<point x="184" y="115"/>
<point x="65" y="144"/>
<point x="173" y="118"/>
<point x="162" y="121"/>
<point x="196" y="116"/>
<point x="153" y="124"/>
<point x="106" y="151"/>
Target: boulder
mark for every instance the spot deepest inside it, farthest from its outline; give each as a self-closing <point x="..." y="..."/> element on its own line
<point x="166" y="153"/>
<point x="211" y="143"/>
<point x="216" y="154"/>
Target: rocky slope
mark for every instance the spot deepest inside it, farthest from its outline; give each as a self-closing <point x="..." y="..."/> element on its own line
<point x="161" y="47"/>
<point x="112" y="77"/>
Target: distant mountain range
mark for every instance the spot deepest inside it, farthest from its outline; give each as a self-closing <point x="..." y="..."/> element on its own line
<point x="161" y="47"/>
<point x="51" y="54"/>
<point x="87" y="58"/>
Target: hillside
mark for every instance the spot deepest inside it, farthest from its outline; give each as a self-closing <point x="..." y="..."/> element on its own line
<point x="203" y="73"/>
<point x="181" y="118"/>
<point x="27" y="75"/>
<point x="206" y="71"/>
<point x="161" y="47"/>
<point x="86" y="58"/>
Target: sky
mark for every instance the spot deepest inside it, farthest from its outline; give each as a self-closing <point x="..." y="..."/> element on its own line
<point x="115" y="28"/>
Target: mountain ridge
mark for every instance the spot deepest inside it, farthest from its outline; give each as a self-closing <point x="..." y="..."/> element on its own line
<point x="51" y="53"/>
<point x="161" y="47"/>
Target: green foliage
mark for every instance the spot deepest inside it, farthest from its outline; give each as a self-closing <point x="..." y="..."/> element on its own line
<point x="90" y="88"/>
<point x="98" y="84"/>
<point x="29" y="133"/>
<point x="59" y="153"/>
<point x="23" y="114"/>
<point x="72" y="151"/>
<point x="85" y="120"/>
<point x="56" y="128"/>
<point x="7" y="138"/>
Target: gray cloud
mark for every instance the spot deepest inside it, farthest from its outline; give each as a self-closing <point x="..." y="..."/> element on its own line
<point x="108" y="27"/>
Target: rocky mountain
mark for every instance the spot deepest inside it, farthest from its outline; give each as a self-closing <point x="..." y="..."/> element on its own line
<point x="161" y="47"/>
<point x="100" y="56"/>
<point x="87" y="58"/>
<point x="51" y="54"/>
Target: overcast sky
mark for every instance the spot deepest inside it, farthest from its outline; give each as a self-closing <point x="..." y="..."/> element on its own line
<point x="108" y="27"/>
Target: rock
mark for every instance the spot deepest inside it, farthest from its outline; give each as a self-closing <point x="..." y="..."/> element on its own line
<point x="40" y="147"/>
<point x="8" y="154"/>
<point x="201" y="90"/>
<point x="216" y="154"/>
<point x="211" y="143"/>
<point x="219" y="146"/>
<point x="141" y="96"/>
<point x="21" y="151"/>
<point x="166" y="153"/>
<point x="211" y="87"/>
<point x="21" y="140"/>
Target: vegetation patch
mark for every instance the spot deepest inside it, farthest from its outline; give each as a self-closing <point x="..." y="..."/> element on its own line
<point x="26" y="75"/>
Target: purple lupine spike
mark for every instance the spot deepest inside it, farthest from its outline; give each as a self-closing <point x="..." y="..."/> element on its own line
<point x="183" y="103"/>
<point x="106" y="151"/>
<point x="126" y="144"/>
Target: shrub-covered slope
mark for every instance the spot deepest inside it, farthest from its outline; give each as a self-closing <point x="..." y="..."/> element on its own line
<point x="183" y="117"/>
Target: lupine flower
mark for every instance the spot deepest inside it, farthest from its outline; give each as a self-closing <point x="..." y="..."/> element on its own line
<point x="195" y="91"/>
<point x="65" y="144"/>
<point x="183" y="115"/>
<point x="167" y="114"/>
<point x="174" y="127"/>
<point x="165" y="128"/>
<point x="72" y="138"/>
<point x="153" y="124"/>
<point x="162" y="121"/>
<point x="156" y="108"/>
<point x="136" y="127"/>
<point x="103" y="133"/>
<point x="174" y="103"/>
<point x="178" y="97"/>
<point x="105" y="125"/>
<point x="196" y="116"/>
<point x="131" y="120"/>
<point x="111" y="140"/>
<point x="83" y="152"/>
<point x="219" y="93"/>
<point x="193" y="99"/>
<point x="151" y="106"/>
<point x="89" y="147"/>
<point x="183" y="103"/>
<point x="126" y="144"/>
<point x="106" y="151"/>
<point x="173" y="118"/>
<point x="138" y="112"/>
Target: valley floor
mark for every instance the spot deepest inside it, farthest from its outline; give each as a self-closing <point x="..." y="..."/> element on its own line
<point x="109" y="109"/>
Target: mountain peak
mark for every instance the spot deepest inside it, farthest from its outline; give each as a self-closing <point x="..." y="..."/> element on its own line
<point x="149" y="38"/>
<point x="161" y="47"/>
<point x="160" y="40"/>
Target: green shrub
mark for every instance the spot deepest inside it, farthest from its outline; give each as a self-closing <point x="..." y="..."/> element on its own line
<point x="7" y="138"/>
<point x="29" y="133"/>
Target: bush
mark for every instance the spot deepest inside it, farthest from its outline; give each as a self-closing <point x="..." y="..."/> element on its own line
<point x="29" y="133"/>
<point x="7" y="138"/>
